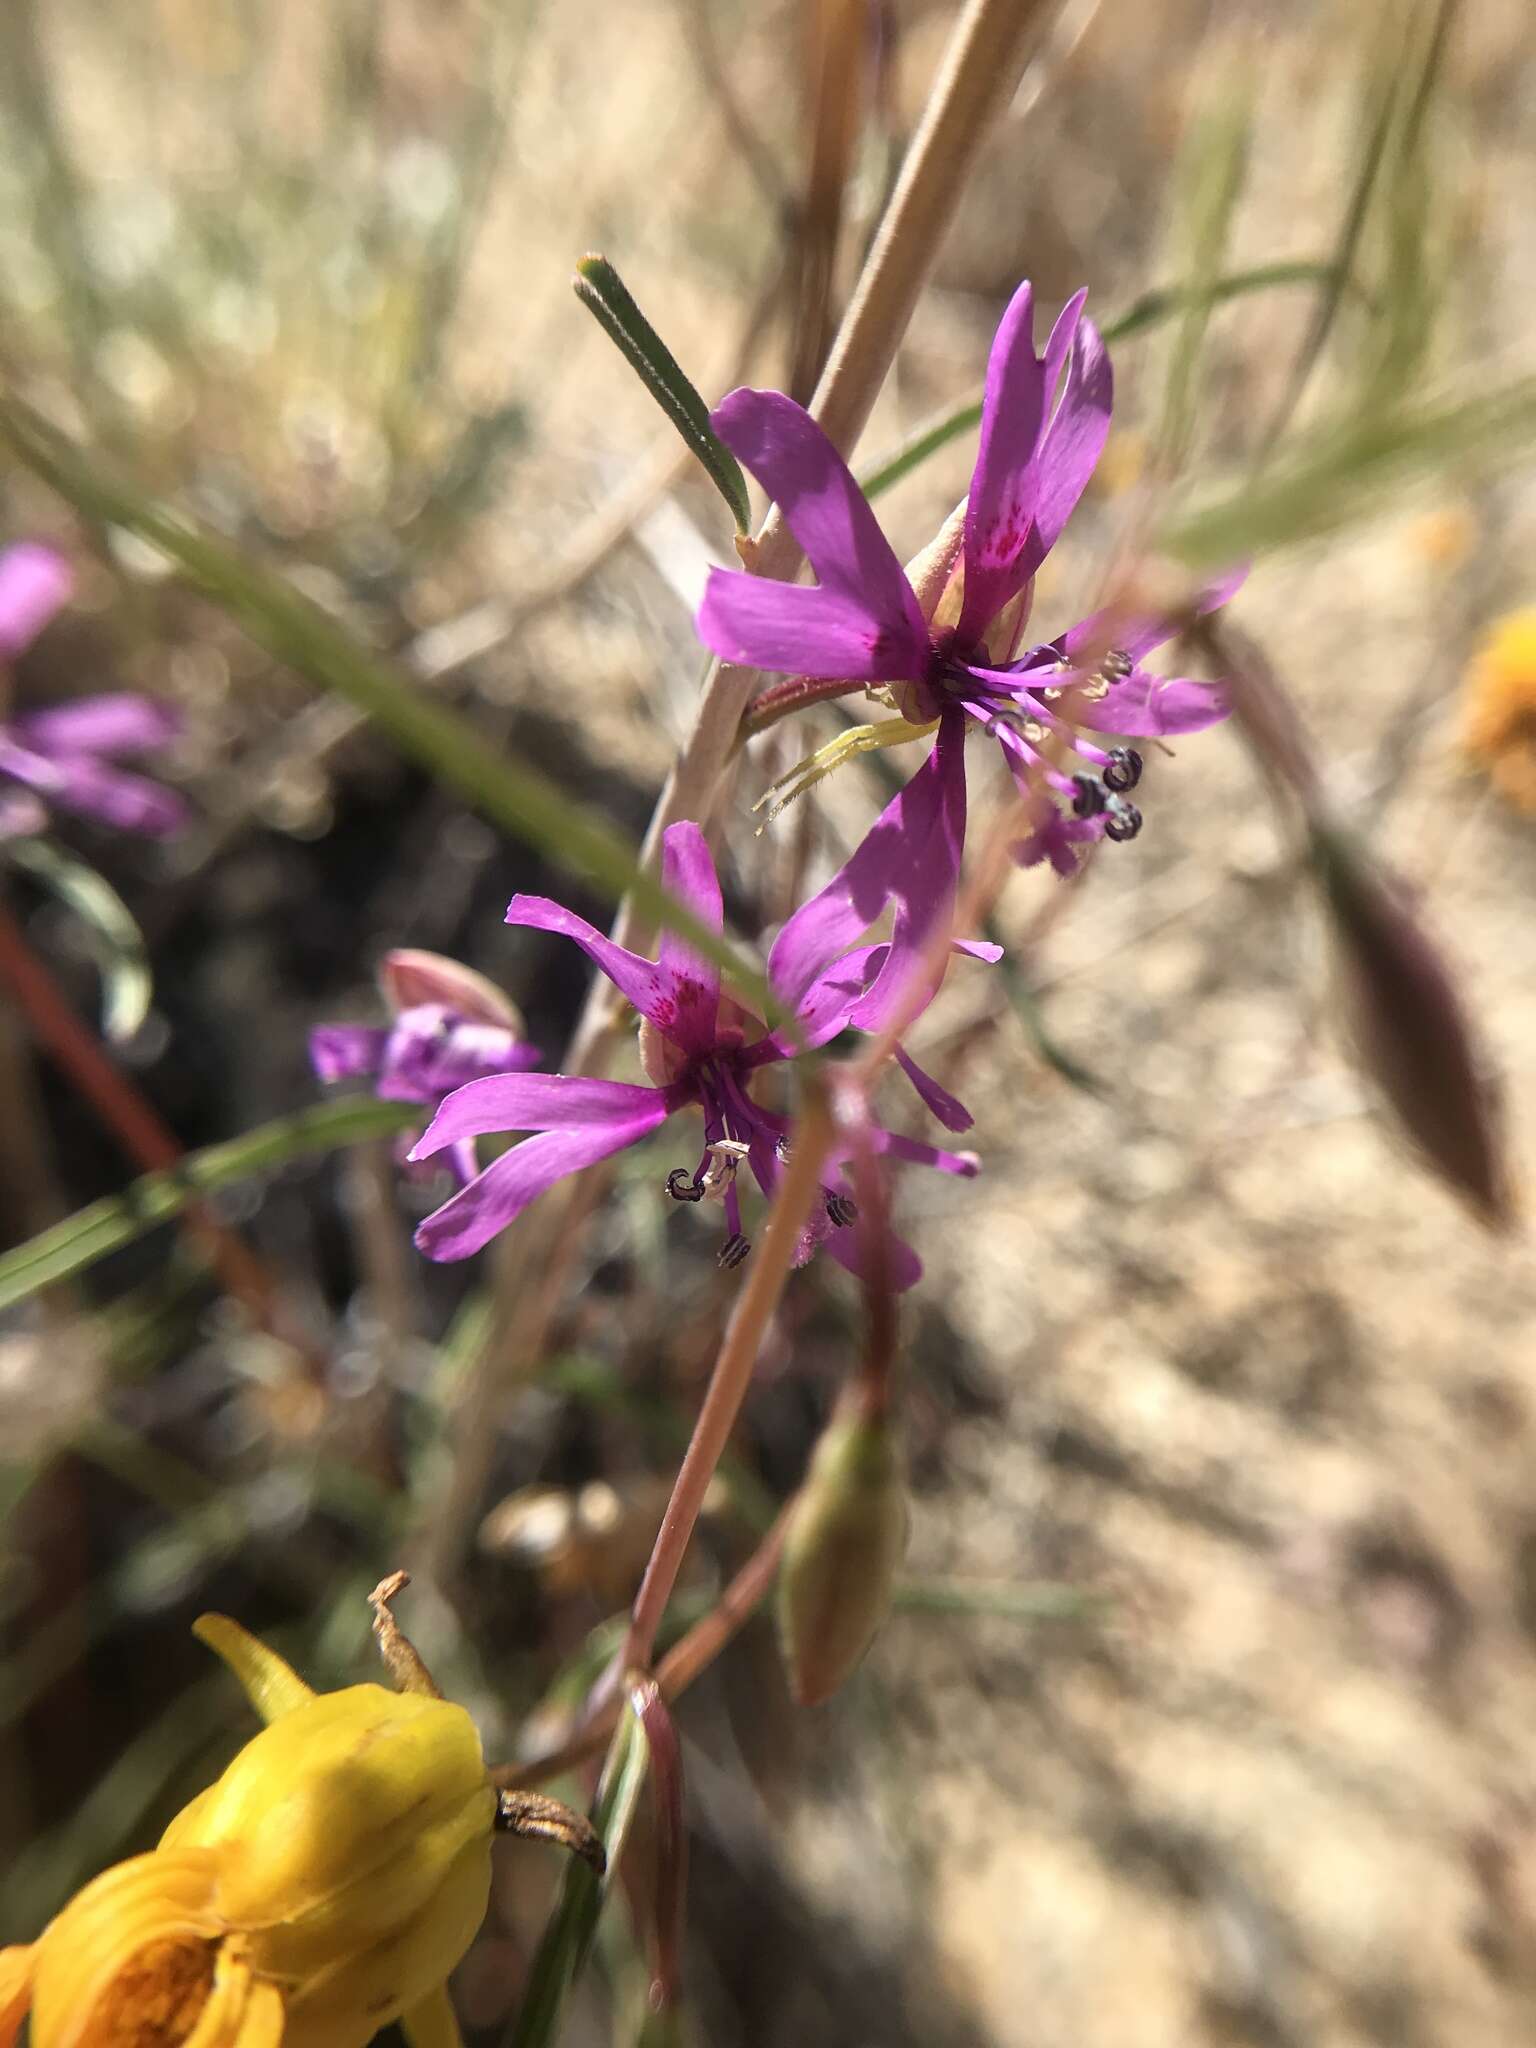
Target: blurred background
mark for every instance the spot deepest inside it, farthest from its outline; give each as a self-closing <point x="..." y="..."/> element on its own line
<point x="1205" y="1715"/>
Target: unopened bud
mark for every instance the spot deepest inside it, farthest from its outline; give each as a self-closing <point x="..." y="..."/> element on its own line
<point x="840" y="1557"/>
<point x="1411" y="1029"/>
<point x="410" y="977"/>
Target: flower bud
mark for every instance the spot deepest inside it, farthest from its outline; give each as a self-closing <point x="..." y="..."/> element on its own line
<point x="410" y="977"/>
<point x="1411" y="1030"/>
<point x="840" y="1557"/>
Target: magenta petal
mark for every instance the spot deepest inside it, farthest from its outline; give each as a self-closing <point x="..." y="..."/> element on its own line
<point x="637" y="979"/>
<point x="1146" y="706"/>
<point x="785" y="627"/>
<point x="893" y="1146"/>
<point x="909" y="856"/>
<point x="77" y="783"/>
<point x="540" y="1102"/>
<point x="824" y="1008"/>
<point x="1001" y="504"/>
<point x="472" y="1217"/>
<point x="693" y="983"/>
<point x="339" y="1052"/>
<point x="903" y="1268"/>
<point x="928" y="879"/>
<point x="951" y="1112"/>
<point x="1057" y="838"/>
<point x="830" y="517"/>
<point x="432" y="1050"/>
<point x="1136" y="636"/>
<point x="1074" y="440"/>
<point x="35" y="584"/>
<point x="119" y="723"/>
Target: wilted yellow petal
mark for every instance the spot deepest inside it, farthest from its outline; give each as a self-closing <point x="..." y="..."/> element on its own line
<point x="146" y="1929"/>
<point x="16" y="1965"/>
<point x="431" y="2024"/>
<point x="272" y="1686"/>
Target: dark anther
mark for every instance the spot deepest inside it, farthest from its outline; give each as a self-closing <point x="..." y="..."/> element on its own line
<point x="682" y="1186"/>
<point x="781" y="1149"/>
<point x="1116" y="666"/>
<point x="1124" y="820"/>
<point x="733" y="1251"/>
<point x="1123" y="769"/>
<point x="842" y="1210"/>
<point x="1090" y="798"/>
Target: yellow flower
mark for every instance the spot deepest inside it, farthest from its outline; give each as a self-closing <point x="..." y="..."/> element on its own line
<point x="1498" y="726"/>
<point x="322" y="1888"/>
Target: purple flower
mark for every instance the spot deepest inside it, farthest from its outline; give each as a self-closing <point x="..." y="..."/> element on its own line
<point x="863" y="621"/>
<point x="451" y="1026"/>
<point x="65" y="755"/>
<point x="701" y="1049"/>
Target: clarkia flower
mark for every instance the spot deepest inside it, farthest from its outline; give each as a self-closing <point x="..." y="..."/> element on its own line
<point x="701" y="1049"/>
<point x="322" y="1888"/>
<point x="954" y="659"/>
<point x="450" y="1026"/>
<point x="66" y="755"/>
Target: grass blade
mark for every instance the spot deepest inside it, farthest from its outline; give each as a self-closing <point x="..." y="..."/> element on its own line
<point x="69" y="1247"/>
<point x="117" y="944"/>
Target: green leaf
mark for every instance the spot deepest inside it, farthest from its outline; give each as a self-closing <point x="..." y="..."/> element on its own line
<point x="117" y="944"/>
<point x="1150" y="310"/>
<point x="69" y="1247"/>
<point x="603" y="292"/>
<point x="511" y="793"/>
<point x="568" y="1937"/>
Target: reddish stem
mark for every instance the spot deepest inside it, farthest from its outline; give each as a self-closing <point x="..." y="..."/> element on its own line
<point x="122" y="1108"/>
<point x="683" y="1663"/>
<point x="779" y="700"/>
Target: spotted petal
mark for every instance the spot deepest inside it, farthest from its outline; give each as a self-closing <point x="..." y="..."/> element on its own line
<point x="1001" y="504"/>
<point x="639" y="980"/>
<point x="688" y="873"/>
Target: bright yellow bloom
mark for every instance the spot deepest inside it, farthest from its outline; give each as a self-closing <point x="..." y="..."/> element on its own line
<point x="1498" y="726"/>
<point x="323" y="1887"/>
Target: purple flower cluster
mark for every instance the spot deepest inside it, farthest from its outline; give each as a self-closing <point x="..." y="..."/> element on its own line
<point x="702" y="1049"/>
<point x="955" y="662"/>
<point x="66" y="755"/>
